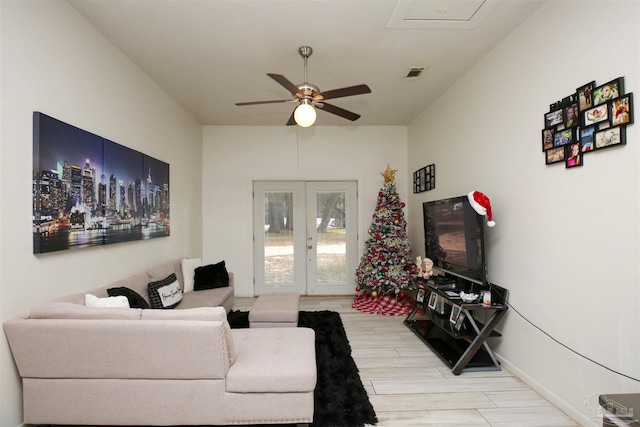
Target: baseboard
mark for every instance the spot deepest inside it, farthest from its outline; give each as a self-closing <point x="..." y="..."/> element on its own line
<point x="548" y="394"/>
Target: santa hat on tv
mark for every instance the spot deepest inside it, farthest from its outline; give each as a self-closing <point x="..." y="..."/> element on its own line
<point x="481" y="204"/>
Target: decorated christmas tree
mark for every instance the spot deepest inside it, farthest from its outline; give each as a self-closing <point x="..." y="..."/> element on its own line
<point x="386" y="266"/>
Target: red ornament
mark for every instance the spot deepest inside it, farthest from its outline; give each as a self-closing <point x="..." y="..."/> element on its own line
<point x="357" y="288"/>
<point x="380" y="194"/>
<point x="401" y="295"/>
<point x="402" y="204"/>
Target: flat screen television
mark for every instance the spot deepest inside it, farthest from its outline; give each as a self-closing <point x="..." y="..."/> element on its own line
<point x="454" y="238"/>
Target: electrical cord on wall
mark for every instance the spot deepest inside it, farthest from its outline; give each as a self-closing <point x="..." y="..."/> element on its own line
<point x="564" y="345"/>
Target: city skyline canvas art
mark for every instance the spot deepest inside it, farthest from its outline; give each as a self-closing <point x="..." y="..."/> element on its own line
<point x="90" y="191"/>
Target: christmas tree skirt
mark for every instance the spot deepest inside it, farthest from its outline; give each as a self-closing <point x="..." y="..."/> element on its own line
<point x="386" y="305"/>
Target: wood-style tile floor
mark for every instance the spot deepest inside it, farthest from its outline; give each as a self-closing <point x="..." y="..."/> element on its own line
<point x="409" y="385"/>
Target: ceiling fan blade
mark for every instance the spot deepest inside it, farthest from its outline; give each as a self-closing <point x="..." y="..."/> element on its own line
<point x="264" y="102"/>
<point x="345" y="91"/>
<point x="292" y="120"/>
<point x="338" y="111"/>
<point x="285" y="83"/>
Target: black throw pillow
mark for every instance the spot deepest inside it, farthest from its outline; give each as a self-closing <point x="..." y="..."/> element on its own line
<point x="165" y="293"/>
<point x="135" y="299"/>
<point x="210" y="277"/>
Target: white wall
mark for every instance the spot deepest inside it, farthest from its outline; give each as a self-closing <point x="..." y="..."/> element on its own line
<point x="234" y="157"/>
<point x="566" y="243"/>
<point x="55" y="62"/>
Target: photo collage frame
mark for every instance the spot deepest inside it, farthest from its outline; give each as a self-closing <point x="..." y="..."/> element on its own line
<point x="424" y="179"/>
<point x="591" y="119"/>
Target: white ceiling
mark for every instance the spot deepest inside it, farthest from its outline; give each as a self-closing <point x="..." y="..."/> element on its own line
<point x="210" y="54"/>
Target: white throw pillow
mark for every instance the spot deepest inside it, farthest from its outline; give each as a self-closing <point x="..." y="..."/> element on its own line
<point x="94" y="301"/>
<point x="189" y="266"/>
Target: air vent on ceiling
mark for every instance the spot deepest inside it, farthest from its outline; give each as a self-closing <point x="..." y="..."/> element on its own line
<point x="415" y="72"/>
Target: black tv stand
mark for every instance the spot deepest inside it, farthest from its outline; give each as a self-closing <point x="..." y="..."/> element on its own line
<point x="462" y="345"/>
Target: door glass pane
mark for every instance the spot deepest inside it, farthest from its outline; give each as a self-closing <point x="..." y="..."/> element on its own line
<point x="278" y="239"/>
<point x="331" y="241"/>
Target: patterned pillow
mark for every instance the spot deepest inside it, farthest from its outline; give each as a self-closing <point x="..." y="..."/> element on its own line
<point x="165" y="293"/>
<point x="211" y="276"/>
<point x="135" y="299"/>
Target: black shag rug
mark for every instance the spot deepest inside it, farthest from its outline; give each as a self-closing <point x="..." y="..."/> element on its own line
<point x="340" y="397"/>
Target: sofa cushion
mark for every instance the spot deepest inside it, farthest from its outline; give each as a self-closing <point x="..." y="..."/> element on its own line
<point x="206" y="298"/>
<point x="276" y="360"/>
<point x="200" y="313"/>
<point x="211" y="276"/>
<point x="135" y="299"/>
<point x="161" y="271"/>
<point x="189" y="266"/>
<point x="109" y="302"/>
<point x="165" y="293"/>
<point x="66" y="310"/>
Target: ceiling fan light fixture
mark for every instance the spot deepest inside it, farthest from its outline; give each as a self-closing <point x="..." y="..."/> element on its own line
<point x="309" y="97"/>
<point x="305" y="114"/>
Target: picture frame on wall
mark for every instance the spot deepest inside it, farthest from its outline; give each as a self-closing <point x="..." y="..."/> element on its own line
<point x="554" y="155"/>
<point x="571" y="116"/>
<point x="553" y="118"/>
<point x="586" y="138"/>
<point x="597" y="114"/>
<point x="547" y="139"/>
<point x="608" y="91"/>
<point x="424" y="179"/>
<point x="563" y="137"/>
<point x="593" y="118"/>
<point x="585" y="95"/>
<point x="573" y="155"/>
<point x="430" y="177"/>
<point x="610" y="137"/>
<point x="621" y="109"/>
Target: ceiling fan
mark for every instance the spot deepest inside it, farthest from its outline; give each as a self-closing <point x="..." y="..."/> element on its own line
<point x="309" y="97"/>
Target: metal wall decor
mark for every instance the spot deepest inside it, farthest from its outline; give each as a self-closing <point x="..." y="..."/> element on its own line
<point x="591" y="119"/>
<point x="424" y="179"/>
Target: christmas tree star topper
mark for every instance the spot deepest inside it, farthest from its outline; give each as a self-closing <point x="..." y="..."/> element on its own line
<point x="389" y="175"/>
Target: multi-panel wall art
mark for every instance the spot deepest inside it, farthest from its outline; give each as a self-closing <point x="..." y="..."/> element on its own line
<point x="90" y="191"/>
<point x="424" y="179"/>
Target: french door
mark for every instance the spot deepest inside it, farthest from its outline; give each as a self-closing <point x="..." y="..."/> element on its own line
<point x="305" y="237"/>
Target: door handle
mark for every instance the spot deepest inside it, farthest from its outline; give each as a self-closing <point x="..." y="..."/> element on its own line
<point x="310" y="247"/>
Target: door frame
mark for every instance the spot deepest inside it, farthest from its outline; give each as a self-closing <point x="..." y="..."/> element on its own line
<point x="350" y="188"/>
<point x="305" y="216"/>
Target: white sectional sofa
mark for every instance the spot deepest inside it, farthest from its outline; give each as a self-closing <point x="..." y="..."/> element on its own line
<point x="184" y="366"/>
